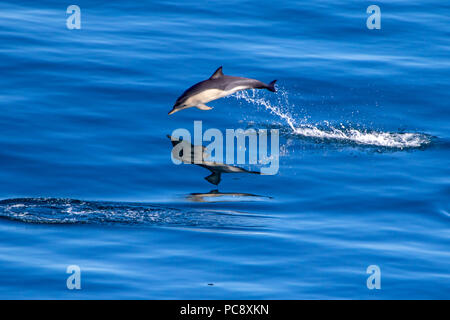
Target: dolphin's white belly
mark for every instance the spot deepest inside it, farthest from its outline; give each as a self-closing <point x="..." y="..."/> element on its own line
<point x="236" y="89"/>
<point x="211" y="94"/>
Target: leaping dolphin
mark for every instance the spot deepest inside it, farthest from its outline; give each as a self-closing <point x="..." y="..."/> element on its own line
<point x="216" y="168"/>
<point x="216" y="87"/>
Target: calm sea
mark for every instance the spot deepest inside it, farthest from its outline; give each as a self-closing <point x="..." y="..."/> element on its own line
<point x="86" y="176"/>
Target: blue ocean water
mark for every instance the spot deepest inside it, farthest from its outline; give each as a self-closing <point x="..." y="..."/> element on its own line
<point x="87" y="179"/>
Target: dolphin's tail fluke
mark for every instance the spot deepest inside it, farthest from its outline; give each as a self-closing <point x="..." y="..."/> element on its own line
<point x="271" y="86"/>
<point x="214" y="178"/>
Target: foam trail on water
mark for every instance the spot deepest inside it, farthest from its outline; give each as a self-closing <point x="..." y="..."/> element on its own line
<point x="373" y="138"/>
<point x="358" y="136"/>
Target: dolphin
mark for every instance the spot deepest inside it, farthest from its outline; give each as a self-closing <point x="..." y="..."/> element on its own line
<point x="216" y="87"/>
<point x="216" y="168"/>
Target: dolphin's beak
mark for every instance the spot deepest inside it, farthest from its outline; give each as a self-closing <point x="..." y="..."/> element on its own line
<point x="173" y="111"/>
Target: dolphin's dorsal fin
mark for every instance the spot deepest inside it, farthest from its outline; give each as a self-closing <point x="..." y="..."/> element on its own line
<point x="217" y="74"/>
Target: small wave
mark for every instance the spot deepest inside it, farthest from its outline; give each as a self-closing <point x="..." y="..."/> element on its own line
<point x="399" y="140"/>
<point x="71" y="211"/>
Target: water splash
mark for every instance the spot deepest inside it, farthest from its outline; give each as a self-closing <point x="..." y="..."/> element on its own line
<point x="400" y="140"/>
<point x="277" y="110"/>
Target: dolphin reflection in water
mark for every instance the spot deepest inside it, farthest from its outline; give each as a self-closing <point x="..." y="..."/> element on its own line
<point x="216" y="168"/>
<point x="216" y="196"/>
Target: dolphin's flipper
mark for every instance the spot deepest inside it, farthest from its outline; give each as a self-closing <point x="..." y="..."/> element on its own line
<point x="214" y="178"/>
<point x="203" y="107"/>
